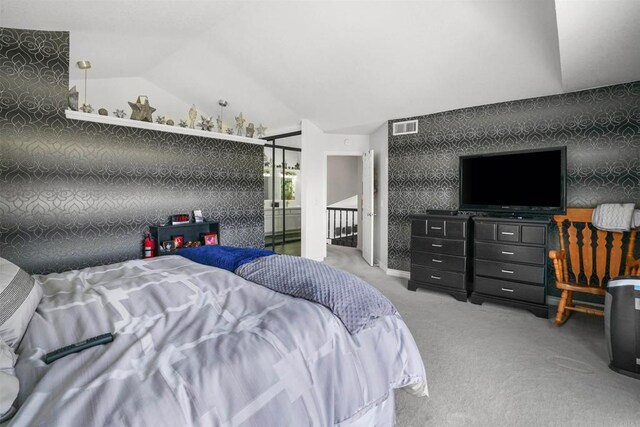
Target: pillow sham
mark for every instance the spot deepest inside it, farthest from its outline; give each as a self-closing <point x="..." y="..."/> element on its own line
<point x="19" y="297"/>
<point x="9" y="385"/>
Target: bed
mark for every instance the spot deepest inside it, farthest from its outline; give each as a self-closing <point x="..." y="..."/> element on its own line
<point x="199" y="345"/>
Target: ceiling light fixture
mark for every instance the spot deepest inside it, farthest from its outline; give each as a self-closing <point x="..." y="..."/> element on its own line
<point x="84" y="65"/>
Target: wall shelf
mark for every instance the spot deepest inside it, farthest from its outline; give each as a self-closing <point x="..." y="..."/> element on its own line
<point x="88" y="117"/>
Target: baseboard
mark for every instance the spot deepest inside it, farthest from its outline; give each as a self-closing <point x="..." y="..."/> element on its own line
<point x="398" y="273"/>
<point x="381" y="265"/>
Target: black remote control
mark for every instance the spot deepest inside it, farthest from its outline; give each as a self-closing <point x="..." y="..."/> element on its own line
<point x="77" y="347"/>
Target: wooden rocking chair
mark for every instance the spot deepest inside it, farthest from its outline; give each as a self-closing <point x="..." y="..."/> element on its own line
<point x="588" y="258"/>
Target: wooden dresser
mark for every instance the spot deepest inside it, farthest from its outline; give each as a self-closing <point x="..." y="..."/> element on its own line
<point x="440" y="254"/>
<point x="510" y="263"/>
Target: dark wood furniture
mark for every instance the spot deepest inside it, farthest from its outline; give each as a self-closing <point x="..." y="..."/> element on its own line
<point x="191" y="232"/>
<point x="440" y="254"/>
<point x="587" y="259"/>
<point x="510" y="263"/>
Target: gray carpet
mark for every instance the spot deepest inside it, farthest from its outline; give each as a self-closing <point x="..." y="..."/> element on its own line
<point x="492" y="365"/>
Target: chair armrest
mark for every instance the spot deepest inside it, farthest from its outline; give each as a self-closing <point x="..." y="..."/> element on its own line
<point x="559" y="255"/>
<point x="558" y="261"/>
<point x="633" y="267"/>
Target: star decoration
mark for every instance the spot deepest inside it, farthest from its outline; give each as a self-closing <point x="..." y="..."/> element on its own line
<point x="182" y="124"/>
<point x="230" y="131"/>
<point x="240" y="124"/>
<point x="206" y="123"/>
<point x="86" y="108"/>
<point x="261" y="130"/>
<point x="140" y="111"/>
<point x="119" y="114"/>
<point x="160" y="120"/>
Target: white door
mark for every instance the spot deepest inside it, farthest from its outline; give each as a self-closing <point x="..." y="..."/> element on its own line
<point x="367" y="207"/>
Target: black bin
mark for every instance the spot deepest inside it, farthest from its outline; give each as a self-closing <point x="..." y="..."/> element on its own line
<point x="622" y="324"/>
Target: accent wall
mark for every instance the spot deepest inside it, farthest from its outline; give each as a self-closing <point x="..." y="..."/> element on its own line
<point x="600" y="127"/>
<point x="75" y="194"/>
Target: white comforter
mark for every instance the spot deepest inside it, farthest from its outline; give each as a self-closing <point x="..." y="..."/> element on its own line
<point x="197" y="345"/>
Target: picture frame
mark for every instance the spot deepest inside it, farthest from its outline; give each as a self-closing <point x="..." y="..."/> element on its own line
<point x="179" y="240"/>
<point x="209" y="238"/>
<point x="197" y="216"/>
<point x="168" y="245"/>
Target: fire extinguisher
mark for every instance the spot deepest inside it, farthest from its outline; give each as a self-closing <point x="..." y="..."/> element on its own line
<point x="149" y="246"/>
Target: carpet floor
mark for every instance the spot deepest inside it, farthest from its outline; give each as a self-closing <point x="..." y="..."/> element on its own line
<point x="491" y="365"/>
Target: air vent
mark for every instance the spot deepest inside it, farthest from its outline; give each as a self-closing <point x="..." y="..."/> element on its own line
<point x="404" y="128"/>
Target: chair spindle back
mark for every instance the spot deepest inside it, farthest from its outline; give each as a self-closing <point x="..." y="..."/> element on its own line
<point x="592" y="256"/>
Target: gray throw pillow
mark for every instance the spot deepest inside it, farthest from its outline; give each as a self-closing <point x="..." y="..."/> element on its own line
<point x="19" y="298"/>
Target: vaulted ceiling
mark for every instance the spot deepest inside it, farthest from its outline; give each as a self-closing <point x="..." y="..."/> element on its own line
<point x="348" y="66"/>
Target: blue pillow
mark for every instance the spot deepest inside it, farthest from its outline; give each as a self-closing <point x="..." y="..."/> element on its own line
<point x="226" y="257"/>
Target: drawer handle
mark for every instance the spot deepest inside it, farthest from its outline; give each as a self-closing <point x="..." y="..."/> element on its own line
<point x="507" y="253"/>
<point x="436" y="260"/>
<point x="436" y="228"/>
<point x="435" y="245"/>
<point x="507" y="271"/>
<point x="507" y="289"/>
<point x="507" y="233"/>
<point x="435" y="277"/>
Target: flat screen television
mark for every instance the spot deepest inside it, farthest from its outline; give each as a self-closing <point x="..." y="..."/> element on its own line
<point x="515" y="182"/>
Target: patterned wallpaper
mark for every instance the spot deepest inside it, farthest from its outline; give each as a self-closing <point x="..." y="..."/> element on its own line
<point x="600" y="127"/>
<point x="76" y="194"/>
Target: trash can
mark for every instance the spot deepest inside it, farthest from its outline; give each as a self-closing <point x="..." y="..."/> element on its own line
<point x="622" y="324"/>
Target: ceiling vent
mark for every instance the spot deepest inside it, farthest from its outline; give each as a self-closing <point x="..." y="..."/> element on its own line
<point x="405" y="128"/>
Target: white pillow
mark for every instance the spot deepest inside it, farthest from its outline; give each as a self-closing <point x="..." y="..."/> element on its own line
<point x="19" y="297"/>
<point x="9" y="385"/>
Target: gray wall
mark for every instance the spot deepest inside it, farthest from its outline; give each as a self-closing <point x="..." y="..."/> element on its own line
<point x="76" y="194"/>
<point x="600" y="127"/>
<point x="344" y="177"/>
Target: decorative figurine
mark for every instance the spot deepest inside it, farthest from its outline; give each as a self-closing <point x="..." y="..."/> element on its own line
<point x="73" y="99"/>
<point x="119" y="114"/>
<point x="250" y="130"/>
<point x="182" y="124"/>
<point x="169" y="122"/>
<point x="219" y="123"/>
<point x="140" y="111"/>
<point x="261" y="130"/>
<point x="193" y="116"/>
<point x="206" y="123"/>
<point x="86" y="108"/>
<point x="240" y="124"/>
<point x="103" y="112"/>
<point x="229" y="131"/>
<point x="160" y="120"/>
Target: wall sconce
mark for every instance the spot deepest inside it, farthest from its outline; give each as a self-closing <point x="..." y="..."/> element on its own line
<point x="85" y="65"/>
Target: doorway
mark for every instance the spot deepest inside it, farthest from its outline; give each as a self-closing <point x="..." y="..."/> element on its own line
<point x="282" y="193"/>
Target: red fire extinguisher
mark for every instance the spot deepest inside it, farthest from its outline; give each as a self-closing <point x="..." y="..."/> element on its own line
<point x="149" y="246"/>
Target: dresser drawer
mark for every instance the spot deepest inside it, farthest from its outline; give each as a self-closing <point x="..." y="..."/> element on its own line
<point x="439" y="228"/>
<point x="441" y="246"/>
<point x="508" y="233"/>
<point x="511" y="290"/>
<point x="438" y="277"/>
<point x="536" y="235"/>
<point x="438" y="261"/>
<point x="510" y="253"/>
<point x="485" y="230"/>
<point x="510" y="271"/>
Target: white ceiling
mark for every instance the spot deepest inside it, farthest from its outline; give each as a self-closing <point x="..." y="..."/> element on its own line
<point x="348" y="66"/>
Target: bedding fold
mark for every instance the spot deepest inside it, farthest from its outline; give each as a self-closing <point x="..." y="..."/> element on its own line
<point x="355" y="302"/>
